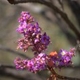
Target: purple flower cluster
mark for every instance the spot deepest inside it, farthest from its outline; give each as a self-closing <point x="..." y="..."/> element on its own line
<point x="32" y="34"/>
<point x="35" y="64"/>
<point x="38" y="41"/>
<point x="42" y="61"/>
<point x="63" y="58"/>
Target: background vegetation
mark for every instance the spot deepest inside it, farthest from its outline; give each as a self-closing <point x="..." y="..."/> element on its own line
<point x="62" y="36"/>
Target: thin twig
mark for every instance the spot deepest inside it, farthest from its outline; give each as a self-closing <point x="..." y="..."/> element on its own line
<point x="4" y="66"/>
<point x="61" y="77"/>
<point x="50" y="5"/>
<point x="12" y="51"/>
<point x="7" y="66"/>
<point x="4" y="72"/>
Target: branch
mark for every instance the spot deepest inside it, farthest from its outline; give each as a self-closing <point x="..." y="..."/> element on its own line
<point x="12" y="51"/>
<point x="4" y="66"/>
<point x="54" y="8"/>
<point x="4" y="72"/>
<point x="55" y="75"/>
<point x="13" y="67"/>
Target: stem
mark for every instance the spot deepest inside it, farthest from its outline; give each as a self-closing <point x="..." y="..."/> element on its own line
<point x="55" y="75"/>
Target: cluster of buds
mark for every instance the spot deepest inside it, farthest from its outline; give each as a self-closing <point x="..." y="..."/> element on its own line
<point x="31" y="31"/>
<point x="32" y="36"/>
<point x="43" y="61"/>
<point x="37" y="63"/>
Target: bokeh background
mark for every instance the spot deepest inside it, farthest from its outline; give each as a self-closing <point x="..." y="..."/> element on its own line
<point x="51" y="23"/>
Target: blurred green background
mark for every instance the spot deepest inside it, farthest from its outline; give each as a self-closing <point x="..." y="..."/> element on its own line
<point x="51" y="23"/>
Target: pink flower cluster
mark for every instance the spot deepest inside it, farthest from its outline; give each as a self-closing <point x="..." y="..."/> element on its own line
<point x="63" y="58"/>
<point x="35" y="64"/>
<point x="31" y="31"/>
<point x="33" y="37"/>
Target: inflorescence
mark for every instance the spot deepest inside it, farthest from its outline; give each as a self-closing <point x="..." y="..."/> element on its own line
<point x="32" y="34"/>
<point x="38" y="42"/>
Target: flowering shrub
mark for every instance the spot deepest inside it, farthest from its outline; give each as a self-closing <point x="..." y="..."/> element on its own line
<point x="38" y="42"/>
